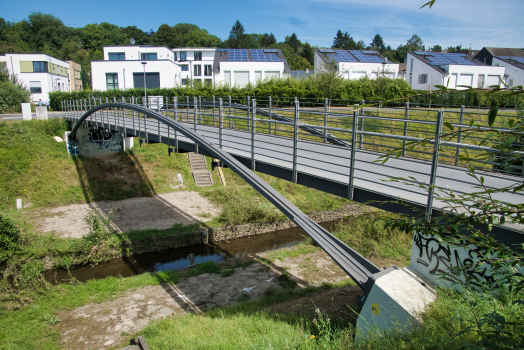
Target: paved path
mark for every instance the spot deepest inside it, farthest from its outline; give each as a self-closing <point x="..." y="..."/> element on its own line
<point x="16" y="116"/>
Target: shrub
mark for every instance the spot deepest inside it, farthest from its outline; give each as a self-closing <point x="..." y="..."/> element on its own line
<point x="9" y="238"/>
<point x="11" y="97"/>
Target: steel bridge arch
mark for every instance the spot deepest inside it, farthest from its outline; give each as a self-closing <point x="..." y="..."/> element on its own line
<point x="355" y="265"/>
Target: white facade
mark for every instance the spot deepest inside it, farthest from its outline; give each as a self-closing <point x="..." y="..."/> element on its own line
<point x="513" y="74"/>
<point x="122" y="68"/>
<point x="41" y="73"/>
<point x="241" y="73"/>
<point x="421" y="75"/>
<point x="357" y="70"/>
<point x="196" y="63"/>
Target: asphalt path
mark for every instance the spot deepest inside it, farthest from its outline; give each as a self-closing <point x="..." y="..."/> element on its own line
<point x="16" y="116"/>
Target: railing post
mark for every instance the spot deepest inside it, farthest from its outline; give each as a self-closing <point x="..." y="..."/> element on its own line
<point x="229" y="111"/>
<point x="213" y="110"/>
<point x="406" y="117"/>
<point x="434" y="163"/>
<point x="325" y="119"/>
<point x="353" y="162"/>
<point x="253" y="127"/>
<point x="361" y="135"/>
<point x="200" y="110"/>
<point x="248" y="104"/>
<point x="194" y="113"/>
<point x="175" y="107"/>
<point x="459" y="137"/>
<point x="269" y="132"/>
<point x="187" y="109"/>
<point x="133" y="102"/>
<point x="220" y="126"/>
<point x="295" y="142"/>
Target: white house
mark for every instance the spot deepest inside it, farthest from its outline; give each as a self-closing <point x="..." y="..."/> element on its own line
<point x="238" y="67"/>
<point x="514" y="69"/>
<point x="41" y="73"/>
<point x="356" y="64"/>
<point x="425" y="69"/>
<point x="124" y="67"/>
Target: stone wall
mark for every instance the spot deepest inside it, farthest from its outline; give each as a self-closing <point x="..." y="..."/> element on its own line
<point x="232" y="232"/>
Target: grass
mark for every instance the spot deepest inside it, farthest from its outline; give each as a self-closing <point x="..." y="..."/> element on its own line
<point x="26" y="325"/>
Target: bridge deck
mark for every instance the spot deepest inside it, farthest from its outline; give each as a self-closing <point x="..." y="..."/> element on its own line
<point x="325" y="166"/>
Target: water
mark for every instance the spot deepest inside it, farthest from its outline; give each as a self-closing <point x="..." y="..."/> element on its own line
<point x="177" y="259"/>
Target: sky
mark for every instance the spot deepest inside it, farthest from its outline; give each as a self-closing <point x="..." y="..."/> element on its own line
<point x="477" y="23"/>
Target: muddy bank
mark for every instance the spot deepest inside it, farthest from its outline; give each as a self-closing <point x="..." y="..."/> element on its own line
<point x="253" y="229"/>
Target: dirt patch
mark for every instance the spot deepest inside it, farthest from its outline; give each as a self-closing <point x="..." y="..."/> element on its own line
<point x="99" y="326"/>
<point x="158" y="212"/>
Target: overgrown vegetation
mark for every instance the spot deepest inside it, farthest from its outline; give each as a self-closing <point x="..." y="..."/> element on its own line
<point x="12" y="92"/>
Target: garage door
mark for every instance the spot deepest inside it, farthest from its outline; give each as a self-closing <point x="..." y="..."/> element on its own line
<point x="152" y="80"/>
<point x="241" y="78"/>
<point x="465" y="79"/>
<point x="272" y="75"/>
<point x="358" y="74"/>
<point x="493" y="80"/>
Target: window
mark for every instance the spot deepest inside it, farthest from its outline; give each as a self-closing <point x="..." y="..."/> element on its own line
<point x="117" y="56"/>
<point x="207" y="70"/>
<point x="510" y="82"/>
<point x="481" y="80"/>
<point x="183" y="56"/>
<point x="149" y="56"/>
<point x="184" y="81"/>
<point x="227" y="77"/>
<point x="411" y="66"/>
<point x="422" y="78"/>
<point x="184" y="67"/>
<point x="112" y="81"/>
<point x="197" y="70"/>
<point x="35" y="87"/>
<point x="208" y="82"/>
<point x="174" y="56"/>
<point x="198" y="55"/>
<point x="39" y="66"/>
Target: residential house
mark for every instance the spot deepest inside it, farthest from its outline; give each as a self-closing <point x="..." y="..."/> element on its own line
<point x="41" y="73"/>
<point x="356" y="64"/>
<point x="75" y="77"/>
<point x="126" y="67"/>
<point x="487" y="53"/>
<point x="514" y="69"/>
<point x="427" y="69"/>
<point x="123" y="66"/>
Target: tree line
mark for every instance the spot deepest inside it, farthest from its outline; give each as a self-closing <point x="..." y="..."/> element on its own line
<point x="45" y="33"/>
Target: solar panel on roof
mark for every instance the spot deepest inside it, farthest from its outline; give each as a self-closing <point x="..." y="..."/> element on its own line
<point x="259" y="55"/>
<point x="237" y="55"/>
<point x="270" y="51"/>
<point x="342" y="56"/>
<point x="369" y="52"/>
<point x="514" y="58"/>
<point x="327" y="50"/>
<point x="368" y="58"/>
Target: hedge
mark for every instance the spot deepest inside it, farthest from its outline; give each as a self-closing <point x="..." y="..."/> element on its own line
<point x="308" y="91"/>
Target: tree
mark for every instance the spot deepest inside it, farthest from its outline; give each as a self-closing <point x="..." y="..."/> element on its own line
<point x="344" y="41"/>
<point x="267" y="40"/>
<point x="308" y="53"/>
<point x="456" y="49"/>
<point x="361" y="45"/>
<point x="236" y="38"/>
<point x="436" y="48"/>
<point x="293" y="42"/>
<point x="141" y="38"/>
<point x="165" y="36"/>
<point x="300" y="63"/>
<point x="329" y="80"/>
<point x="415" y="43"/>
<point x="378" y="43"/>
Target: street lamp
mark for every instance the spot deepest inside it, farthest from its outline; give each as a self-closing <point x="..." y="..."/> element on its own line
<point x="145" y="88"/>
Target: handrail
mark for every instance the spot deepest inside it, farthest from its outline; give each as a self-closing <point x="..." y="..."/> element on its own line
<point x="355" y="265"/>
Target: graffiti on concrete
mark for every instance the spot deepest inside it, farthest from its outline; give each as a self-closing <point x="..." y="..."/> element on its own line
<point x="448" y="262"/>
<point x="100" y="141"/>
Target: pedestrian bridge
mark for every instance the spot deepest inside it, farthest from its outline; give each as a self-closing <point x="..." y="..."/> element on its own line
<point x="330" y="148"/>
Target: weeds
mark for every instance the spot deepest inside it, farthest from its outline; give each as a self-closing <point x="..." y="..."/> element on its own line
<point x="51" y="319"/>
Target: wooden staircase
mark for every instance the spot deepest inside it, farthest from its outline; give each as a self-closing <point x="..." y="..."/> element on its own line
<point x="201" y="174"/>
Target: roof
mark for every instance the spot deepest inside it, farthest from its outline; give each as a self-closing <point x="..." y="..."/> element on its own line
<point x="515" y="61"/>
<point x="339" y="55"/>
<point x="249" y="55"/>
<point x="438" y="60"/>
<point x="193" y="48"/>
<point x="504" y="51"/>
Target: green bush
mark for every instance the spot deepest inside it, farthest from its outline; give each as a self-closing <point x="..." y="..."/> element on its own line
<point x="11" y="97"/>
<point x="9" y="238"/>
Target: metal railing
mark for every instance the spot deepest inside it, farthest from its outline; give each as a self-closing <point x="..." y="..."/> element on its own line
<point x="364" y="136"/>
